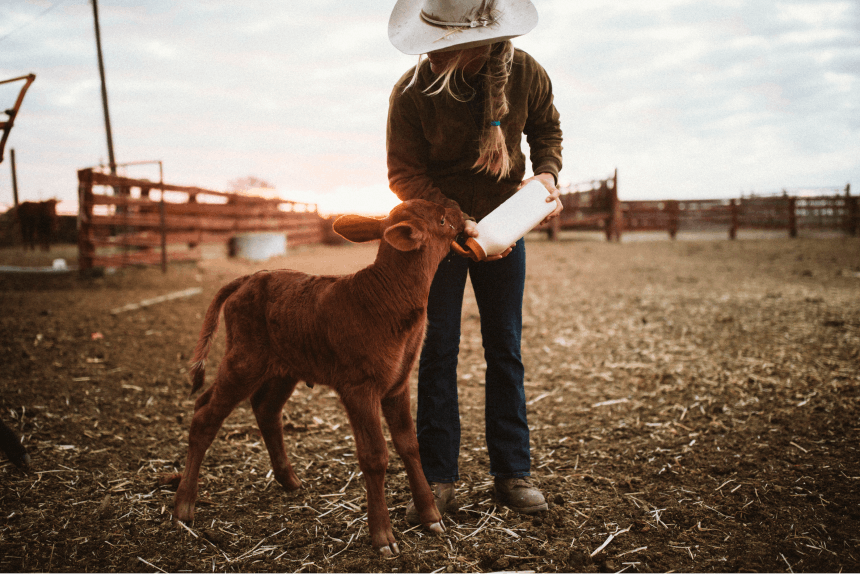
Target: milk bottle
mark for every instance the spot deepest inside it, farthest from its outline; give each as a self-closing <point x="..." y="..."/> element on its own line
<point x="510" y="221"/>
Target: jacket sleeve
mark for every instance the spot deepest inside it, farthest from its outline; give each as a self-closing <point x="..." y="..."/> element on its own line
<point x="543" y="128"/>
<point x="408" y="152"/>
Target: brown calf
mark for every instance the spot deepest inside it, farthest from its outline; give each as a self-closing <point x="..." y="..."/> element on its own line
<point x="358" y="334"/>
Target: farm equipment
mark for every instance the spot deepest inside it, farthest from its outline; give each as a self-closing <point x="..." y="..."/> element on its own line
<point x="6" y="126"/>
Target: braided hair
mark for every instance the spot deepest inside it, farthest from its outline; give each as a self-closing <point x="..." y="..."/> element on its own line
<point x="493" y="157"/>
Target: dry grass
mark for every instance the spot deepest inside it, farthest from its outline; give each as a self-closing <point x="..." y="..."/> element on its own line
<point x="693" y="406"/>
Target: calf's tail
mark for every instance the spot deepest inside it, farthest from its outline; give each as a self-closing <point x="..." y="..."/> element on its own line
<point x="207" y="332"/>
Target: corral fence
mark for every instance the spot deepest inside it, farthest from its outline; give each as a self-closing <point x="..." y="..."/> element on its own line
<point x="595" y="206"/>
<point x="124" y="221"/>
<point x="589" y="206"/>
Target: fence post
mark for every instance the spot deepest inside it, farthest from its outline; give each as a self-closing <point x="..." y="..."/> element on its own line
<point x="792" y="216"/>
<point x="672" y="209"/>
<point x="163" y="230"/>
<point x="554" y="228"/>
<point x="733" y="230"/>
<point x="850" y="211"/>
<point x="85" y="214"/>
<point x="616" y="218"/>
<point x="611" y="223"/>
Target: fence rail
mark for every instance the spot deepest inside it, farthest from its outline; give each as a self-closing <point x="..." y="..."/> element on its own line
<point x="122" y="222"/>
<point x="595" y="206"/>
<point x="592" y="206"/>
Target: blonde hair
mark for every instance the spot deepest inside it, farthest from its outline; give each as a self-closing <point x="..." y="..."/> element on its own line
<point x="493" y="157"/>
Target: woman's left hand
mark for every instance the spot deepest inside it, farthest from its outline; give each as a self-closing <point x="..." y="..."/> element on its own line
<point x="549" y="183"/>
<point x="472" y="231"/>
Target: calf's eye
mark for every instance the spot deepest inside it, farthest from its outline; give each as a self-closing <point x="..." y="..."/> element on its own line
<point x="443" y="221"/>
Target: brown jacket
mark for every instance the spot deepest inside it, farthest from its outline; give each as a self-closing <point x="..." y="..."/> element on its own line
<point x="432" y="141"/>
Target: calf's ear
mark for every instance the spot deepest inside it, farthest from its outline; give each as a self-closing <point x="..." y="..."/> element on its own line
<point x="358" y="228"/>
<point x="404" y="236"/>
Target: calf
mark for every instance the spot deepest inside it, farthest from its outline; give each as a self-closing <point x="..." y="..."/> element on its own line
<point x="39" y="222"/>
<point x="358" y="334"/>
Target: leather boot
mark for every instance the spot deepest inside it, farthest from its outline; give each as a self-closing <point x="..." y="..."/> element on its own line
<point x="443" y="494"/>
<point x="519" y="494"/>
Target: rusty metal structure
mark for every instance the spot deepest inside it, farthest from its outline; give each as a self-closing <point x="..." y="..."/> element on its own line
<point x="11" y="113"/>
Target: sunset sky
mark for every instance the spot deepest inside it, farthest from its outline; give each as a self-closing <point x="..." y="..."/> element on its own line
<point x="686" y="98"/>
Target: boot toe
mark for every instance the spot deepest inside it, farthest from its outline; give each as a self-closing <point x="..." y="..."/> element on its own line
<point x="520" y="495"/>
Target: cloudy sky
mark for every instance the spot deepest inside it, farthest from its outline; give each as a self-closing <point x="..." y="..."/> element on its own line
<point x="686" y="98"/>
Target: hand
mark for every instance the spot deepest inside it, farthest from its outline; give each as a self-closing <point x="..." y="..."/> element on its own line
<point x="472" y="231"/>
<point x="548" y="182"/>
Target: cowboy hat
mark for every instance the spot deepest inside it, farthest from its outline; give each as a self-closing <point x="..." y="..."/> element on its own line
<point x="422" y="26"/>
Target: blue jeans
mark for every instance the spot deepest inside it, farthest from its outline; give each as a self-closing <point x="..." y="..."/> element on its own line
<point x="498" y="287"/>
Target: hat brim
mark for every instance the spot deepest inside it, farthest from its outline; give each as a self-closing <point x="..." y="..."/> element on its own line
<point x="410" y="34"/>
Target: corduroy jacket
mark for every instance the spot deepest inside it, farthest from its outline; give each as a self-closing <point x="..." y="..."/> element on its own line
<point x="432" y="141"/>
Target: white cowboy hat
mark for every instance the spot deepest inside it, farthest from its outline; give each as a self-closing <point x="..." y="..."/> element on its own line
<point x="422" y="26"/>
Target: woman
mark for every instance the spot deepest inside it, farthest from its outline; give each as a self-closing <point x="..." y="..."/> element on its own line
<point x="455" y="125"/>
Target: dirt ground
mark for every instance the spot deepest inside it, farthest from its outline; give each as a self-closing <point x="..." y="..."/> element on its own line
<point x="693" y="405"/>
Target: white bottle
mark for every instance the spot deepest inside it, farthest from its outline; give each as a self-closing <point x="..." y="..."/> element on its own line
<point x="510" y="221"/>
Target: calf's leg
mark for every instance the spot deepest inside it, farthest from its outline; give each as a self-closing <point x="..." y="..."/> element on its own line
<point x="372" y="452"/>
<point x="210" y="410"/>
<point x="268" y="404"/>
<point x="399" y="417"/>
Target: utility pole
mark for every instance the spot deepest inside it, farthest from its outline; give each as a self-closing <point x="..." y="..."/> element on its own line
<point x="14" y="177"/>
<point x="111" y="160"/>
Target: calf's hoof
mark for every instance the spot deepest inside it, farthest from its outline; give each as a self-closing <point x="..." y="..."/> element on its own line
<point x="183" y="512"/>
<point x="290" y="482"/>
<point x="22" y="461"/>
<point x="390" y="550"/>
<point x="437" y="527"/>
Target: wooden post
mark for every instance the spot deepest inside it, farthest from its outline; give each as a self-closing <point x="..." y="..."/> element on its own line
<point x="619" y="214"/>
<point x="615" y="225"/>
<point x="123" y="230"/>
<point x="672" y="209"/>
<point x="733" y="230"/>
<point x="851" y="214"/>
<point x="607" y="187"/>
<point x="792" y="216"/>
<point x="605" y="199"/>
<point x="111" y="159"/>
<point x="554" y="228"/>
<point x="163" y="233"/>
<point x="85" y="214"/>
